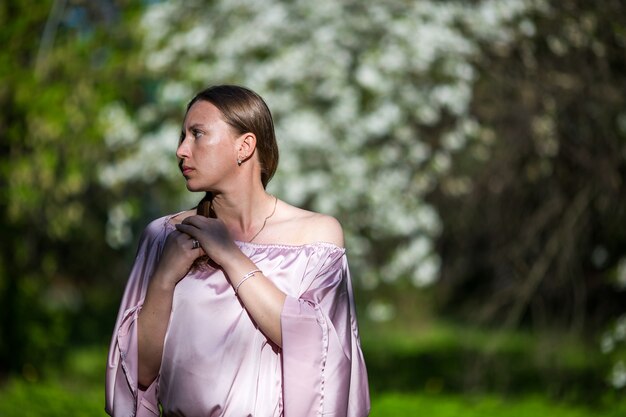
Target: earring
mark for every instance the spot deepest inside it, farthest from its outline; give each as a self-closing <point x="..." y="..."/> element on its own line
<point x="238" y="162"/>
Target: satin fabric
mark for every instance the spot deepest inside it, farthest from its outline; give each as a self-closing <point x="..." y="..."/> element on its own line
<point x="216" y="362"/>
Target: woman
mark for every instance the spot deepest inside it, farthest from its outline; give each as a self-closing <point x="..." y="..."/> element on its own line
<point x="247" y="311"/>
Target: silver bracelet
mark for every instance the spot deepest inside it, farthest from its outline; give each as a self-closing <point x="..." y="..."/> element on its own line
<point x="245" y="277"/>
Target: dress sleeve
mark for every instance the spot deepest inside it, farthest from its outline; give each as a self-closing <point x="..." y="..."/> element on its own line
<point x="123" y="396"/>
<point x="324" y="371"/>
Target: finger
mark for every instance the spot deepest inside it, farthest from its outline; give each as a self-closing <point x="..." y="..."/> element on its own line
<point x="197" y="221"/>
<point x="188" y="230"/>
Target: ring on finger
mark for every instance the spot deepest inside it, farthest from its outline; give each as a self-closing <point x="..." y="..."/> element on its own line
<point x="195" y="244"/>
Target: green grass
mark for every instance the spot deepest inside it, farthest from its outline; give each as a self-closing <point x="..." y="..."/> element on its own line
<point x="440" y="357"/>
<point x="417" y="405"/>
<point x="58" y="399"/>
<point x="415" y="370"/>
<point x="76" y="389"/>
<point x="51" y="399"/>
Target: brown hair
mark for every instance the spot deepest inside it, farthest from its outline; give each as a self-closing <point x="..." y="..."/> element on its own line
<point x="246" y="111"/>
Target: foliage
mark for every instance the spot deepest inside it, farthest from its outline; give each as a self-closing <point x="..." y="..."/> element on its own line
<point x="613" y="344"/>
<point x="540" y="239"/>
<point x="59" y="64"/>
<point x="438" y="357"/>
<point x="477" y="146"/>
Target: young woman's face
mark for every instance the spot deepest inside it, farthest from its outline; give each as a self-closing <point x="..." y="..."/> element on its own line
<point x="207" y="151"/>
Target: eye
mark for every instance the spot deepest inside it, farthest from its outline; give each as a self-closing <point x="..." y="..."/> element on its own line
<point x="197" y="133"/>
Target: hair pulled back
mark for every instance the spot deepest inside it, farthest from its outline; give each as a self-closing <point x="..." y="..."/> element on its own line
<point x="246" y="112"/>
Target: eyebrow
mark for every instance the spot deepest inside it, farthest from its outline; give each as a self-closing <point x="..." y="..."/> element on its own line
<point x="197" y="126"/>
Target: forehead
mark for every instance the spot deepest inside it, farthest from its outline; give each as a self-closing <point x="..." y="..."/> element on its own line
<point x="203" y="112"/>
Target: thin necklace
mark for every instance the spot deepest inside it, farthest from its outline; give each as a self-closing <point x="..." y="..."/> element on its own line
<point x="265" y="221"/>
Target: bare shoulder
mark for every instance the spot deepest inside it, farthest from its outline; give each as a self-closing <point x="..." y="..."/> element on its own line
<point x="324" y="228"/>
<point x="307" y="227"/>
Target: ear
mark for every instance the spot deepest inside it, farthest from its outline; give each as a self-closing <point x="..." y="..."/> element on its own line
<point x="246" y="145"/>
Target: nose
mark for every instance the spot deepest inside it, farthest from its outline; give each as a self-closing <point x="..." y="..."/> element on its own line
<point x="183" y="149"/>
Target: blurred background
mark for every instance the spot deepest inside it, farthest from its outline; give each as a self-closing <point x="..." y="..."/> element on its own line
<point x="474" y="152"/>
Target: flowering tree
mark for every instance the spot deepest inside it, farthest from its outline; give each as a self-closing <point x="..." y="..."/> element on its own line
<point x="371" y="101"/>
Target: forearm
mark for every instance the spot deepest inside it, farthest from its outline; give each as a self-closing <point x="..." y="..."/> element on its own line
<point x="152" y="325"/>
<point x="261" y="298"/>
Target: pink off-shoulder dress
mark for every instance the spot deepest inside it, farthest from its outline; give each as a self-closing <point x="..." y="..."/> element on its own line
<point x="216" y="361"/>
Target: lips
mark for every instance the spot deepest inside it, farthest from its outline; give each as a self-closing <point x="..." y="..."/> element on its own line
<point x="185" y="170"/>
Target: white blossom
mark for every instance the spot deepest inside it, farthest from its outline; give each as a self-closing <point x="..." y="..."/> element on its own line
<point x="119" y="129"/>
<point x="607" y="343"/>
<point x="154" y="158"/>
<point x="354" y="89"/>
<point x="427" y="271"/>
<point x="175" y="92"/>
<point x="618" y="375"/>
<point x="380" y="311"/>
<point x="118" y="231"/>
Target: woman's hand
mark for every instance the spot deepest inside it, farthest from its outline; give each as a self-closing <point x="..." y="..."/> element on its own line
<point x="177" y="258"/>
<point x="214" y="238"/>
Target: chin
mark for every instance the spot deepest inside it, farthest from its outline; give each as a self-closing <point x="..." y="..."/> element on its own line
<point x="196" y="188"/>
<point x="191" y="187"/>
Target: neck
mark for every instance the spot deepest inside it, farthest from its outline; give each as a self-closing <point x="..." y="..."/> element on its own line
<point x="243" y="210"/>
